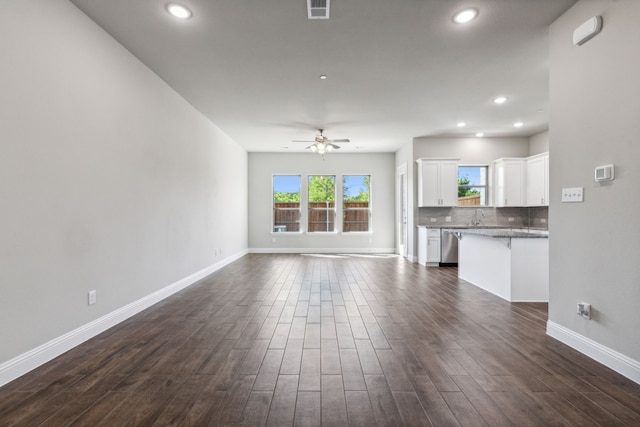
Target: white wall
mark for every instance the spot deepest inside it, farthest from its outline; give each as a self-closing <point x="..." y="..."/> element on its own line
<point x="262" y="167"/>
<point x="595" y="245"/>
<point x="539" y="143"/>
<point x="471" y="150"/>
<point x="109" y="180"/>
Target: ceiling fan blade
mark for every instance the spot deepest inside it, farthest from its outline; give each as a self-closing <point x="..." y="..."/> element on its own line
<point x="340" y="140"/>
<point x="335" y="147"/>
<point x="303" y="141"/>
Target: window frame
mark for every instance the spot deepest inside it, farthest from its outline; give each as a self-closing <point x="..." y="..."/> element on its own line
<point x="486" y="186"/>
<point x="368" y="209"/>
<point x="333" y="210"/>
<point x="301" y="224"/>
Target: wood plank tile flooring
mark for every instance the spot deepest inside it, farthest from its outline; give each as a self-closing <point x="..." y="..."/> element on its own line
<point x="309" y="340"/>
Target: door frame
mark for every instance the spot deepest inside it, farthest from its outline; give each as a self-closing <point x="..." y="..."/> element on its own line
<point x="402" y="211"/>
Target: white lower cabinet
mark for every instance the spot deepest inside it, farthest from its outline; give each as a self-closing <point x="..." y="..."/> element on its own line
<point x="428" y="246"/>
<point x="433" y="246"/>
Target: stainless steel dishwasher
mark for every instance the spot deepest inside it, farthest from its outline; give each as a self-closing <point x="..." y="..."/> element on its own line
<point x="448" y="248"/>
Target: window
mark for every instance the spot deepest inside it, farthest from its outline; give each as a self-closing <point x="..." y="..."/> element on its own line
<point x="322" y="203"/>
<point x="286" y="203"/>
<point x="356" y="208"/>
<point x="472" y="185"/>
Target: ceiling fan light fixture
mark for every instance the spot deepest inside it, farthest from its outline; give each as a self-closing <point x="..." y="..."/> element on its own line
<point x="321" y="144"/>
<point x="466" y="15"/>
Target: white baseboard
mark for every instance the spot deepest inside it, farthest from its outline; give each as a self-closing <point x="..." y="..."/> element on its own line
<point x="322" y="250"/>
<point x="620" y="363"/>
<point x="40" y="355"/>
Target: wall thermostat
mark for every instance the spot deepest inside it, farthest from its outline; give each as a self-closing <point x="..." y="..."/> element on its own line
<point x="604" y="173"/>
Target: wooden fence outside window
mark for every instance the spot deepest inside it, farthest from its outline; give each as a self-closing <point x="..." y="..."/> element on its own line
<point x="321" y="217"/>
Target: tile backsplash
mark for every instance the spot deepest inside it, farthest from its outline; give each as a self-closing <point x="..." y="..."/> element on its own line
<point x="537" y="217"/>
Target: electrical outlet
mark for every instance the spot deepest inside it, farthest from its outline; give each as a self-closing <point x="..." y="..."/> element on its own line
<point x="433" y="219"/>
<point x="447" y="219"/>
<point x="543" y="220"/>
<point x="584" y="310"/>
<point x="92" y="297"/>
<point x="511" y="219"/>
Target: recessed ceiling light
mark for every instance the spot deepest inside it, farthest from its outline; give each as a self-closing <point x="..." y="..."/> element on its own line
<point x="323" y="77"/>
<point x="500" y="100"/>
<point x="518" y="124"/>
<point x="479" y="134"/>
<point x="465" y="16"/>
<point x="179" y="11"/>
<point x="461" y="124"/>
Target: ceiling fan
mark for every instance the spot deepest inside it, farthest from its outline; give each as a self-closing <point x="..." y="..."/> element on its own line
<point x="322" y="144"/>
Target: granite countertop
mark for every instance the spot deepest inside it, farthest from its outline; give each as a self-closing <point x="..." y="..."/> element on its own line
<point x="456" y="227"/>
<point x="503" y="232"/>
<point x="497" y="231"/>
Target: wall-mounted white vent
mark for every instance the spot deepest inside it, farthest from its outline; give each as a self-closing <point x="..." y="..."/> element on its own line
<point x="318" y="9"/>
<point x="587" y="31"/>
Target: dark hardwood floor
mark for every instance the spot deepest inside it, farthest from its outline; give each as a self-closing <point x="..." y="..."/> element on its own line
<point x="334" y="340"/>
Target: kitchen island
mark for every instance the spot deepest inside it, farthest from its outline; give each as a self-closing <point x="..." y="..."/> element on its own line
<point x="510" y="263"/>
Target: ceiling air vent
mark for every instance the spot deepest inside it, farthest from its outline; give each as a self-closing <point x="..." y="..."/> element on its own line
<point x="318" y="9"/>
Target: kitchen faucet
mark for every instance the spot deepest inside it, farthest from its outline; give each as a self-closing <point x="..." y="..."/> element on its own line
<point x="479" y="213"/>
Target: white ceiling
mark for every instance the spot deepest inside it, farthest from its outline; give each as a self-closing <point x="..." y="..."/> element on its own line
<point x="397" y="69"/>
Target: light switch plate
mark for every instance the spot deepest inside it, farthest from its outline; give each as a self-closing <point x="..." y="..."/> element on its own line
<point x="572" y="195"/>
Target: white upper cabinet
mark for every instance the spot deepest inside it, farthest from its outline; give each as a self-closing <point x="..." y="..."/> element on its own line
<point x="510" y="187"/>
<point x="538" y="180"/>
<point x="437" y="182"/>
